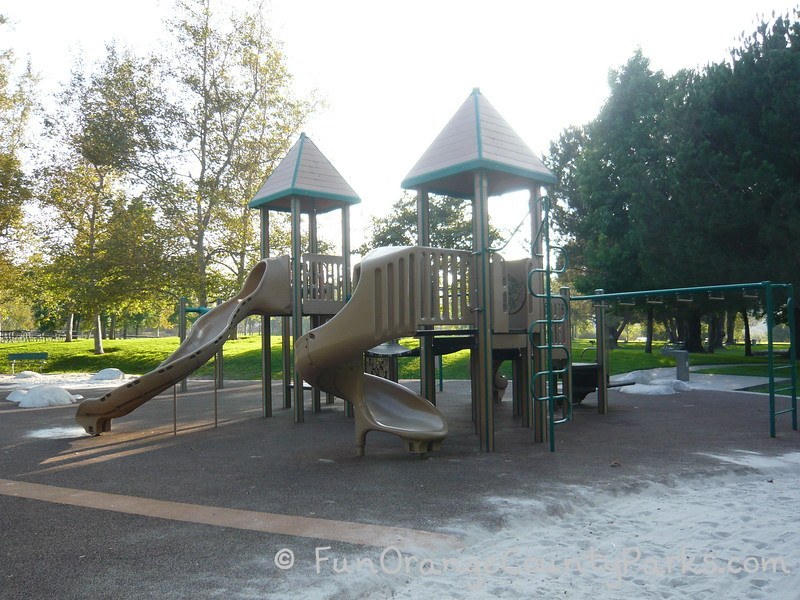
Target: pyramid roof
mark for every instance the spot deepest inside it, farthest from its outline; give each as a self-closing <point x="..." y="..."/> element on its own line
<point x="477" y="138"/>
<point x="305" y="173"/>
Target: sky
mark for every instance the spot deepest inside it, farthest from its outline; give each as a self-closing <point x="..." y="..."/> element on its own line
<point x="392" y="74"/>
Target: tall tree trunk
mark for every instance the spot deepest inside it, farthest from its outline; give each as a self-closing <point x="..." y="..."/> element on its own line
<point x="98" y="334"/>
<point x="70" y="324"/>
<point x="671" y="328"/>
<point x="614" y="333"/>
<point x="713" y="333"/>
<point x="719" y="339"/>
<point x="112" y="334"/>
<point x="648" y="346"/>
<point x="730" y="326"/>
<point x="694" y="334"/>
<point x="748" y="344"/>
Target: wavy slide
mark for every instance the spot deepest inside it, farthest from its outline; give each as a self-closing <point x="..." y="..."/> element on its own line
<point x="329" y="357"/>
<point x="266" y="291"/>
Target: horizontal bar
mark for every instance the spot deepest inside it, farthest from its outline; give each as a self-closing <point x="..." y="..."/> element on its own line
<point x="553" y="372"/>
<point x="689" y="290"/>
<point x="548" y="398"/>
<point x="445" y="332"/>
<point x="780" y="412"/>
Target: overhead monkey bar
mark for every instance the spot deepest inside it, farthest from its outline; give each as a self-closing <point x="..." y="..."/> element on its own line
<point x="715" y="292"/>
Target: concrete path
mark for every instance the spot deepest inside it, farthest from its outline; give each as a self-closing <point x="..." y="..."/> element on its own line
<point x="699" y="381"/>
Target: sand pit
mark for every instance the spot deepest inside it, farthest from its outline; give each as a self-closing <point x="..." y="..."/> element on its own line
<point x="705" y="538"/>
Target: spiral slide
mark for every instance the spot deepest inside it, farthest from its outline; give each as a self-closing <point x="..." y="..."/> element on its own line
<point x="329" y="357"/>
<point x="266" y="291"/>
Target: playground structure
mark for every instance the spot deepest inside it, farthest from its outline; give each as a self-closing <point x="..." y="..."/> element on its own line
<point x="469" y="300"/>
<point x="500" y="310"/>
<point x="475" y="298"/>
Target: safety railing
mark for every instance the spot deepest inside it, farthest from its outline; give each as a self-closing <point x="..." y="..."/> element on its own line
<point x="445" y="277"/>
<point x="419" y="287"/>
<point x="322" y="280"/>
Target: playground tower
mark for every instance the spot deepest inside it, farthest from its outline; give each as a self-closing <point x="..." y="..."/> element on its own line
<point x="475" y="156"/>
<point x="305" y="183"/>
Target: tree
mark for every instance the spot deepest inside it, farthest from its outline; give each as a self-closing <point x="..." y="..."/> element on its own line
<point x="15" y="106"/>
<point x="103" y="243"/>
<point x="235" y="116"/>
<point x="690" y="180"/>
<point x="605" y="170"/>
<point x="755" y="99"/>
<point x="733" y="132"/>
<point x="452" y="218"/>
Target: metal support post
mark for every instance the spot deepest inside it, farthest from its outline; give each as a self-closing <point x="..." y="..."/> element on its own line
<point x="602" y="354"/>
<point x="182" y="330"/>
<point x="770" y="357"/>
<point x="348" y="408"/>
<point x="427" y="360"/>
<point x="792" y="351"/>
<point x="286" y="347"/>
<point x="266" y="327"/>
<point x="483" y="309"/>
<point x="297" y="306"/>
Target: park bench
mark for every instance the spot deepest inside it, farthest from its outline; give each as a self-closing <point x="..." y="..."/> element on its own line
<point x="26" y="357"/>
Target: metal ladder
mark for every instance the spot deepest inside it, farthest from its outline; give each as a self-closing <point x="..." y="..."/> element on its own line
<point x="544" y="382"/>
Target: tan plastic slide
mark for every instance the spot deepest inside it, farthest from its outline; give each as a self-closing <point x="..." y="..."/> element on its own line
<point x="266" y="291"/>
<point x="329" y="357"/>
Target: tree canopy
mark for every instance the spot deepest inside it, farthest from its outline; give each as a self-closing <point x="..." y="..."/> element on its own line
<point x="450" y="218"/>
<point x="16" y="103"/>
<point x="145" y="166"/>
<point x="690" y="179"/>
<point x="234" y="118"/>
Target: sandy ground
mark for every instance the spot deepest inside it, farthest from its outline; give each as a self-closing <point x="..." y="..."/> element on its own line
<point x="733" y="536"/>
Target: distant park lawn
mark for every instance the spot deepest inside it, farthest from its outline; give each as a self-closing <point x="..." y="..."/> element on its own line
<point x="242" y="358"/>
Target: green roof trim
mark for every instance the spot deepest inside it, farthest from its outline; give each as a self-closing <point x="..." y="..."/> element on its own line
<point x="475" y="165"/>
<point x="257" y="202"/>
<point x="307" y="174"/>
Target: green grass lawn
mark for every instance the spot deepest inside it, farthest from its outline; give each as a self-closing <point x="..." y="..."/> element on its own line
<point x="137" y="356"/>
<point x="243" y="358"/>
